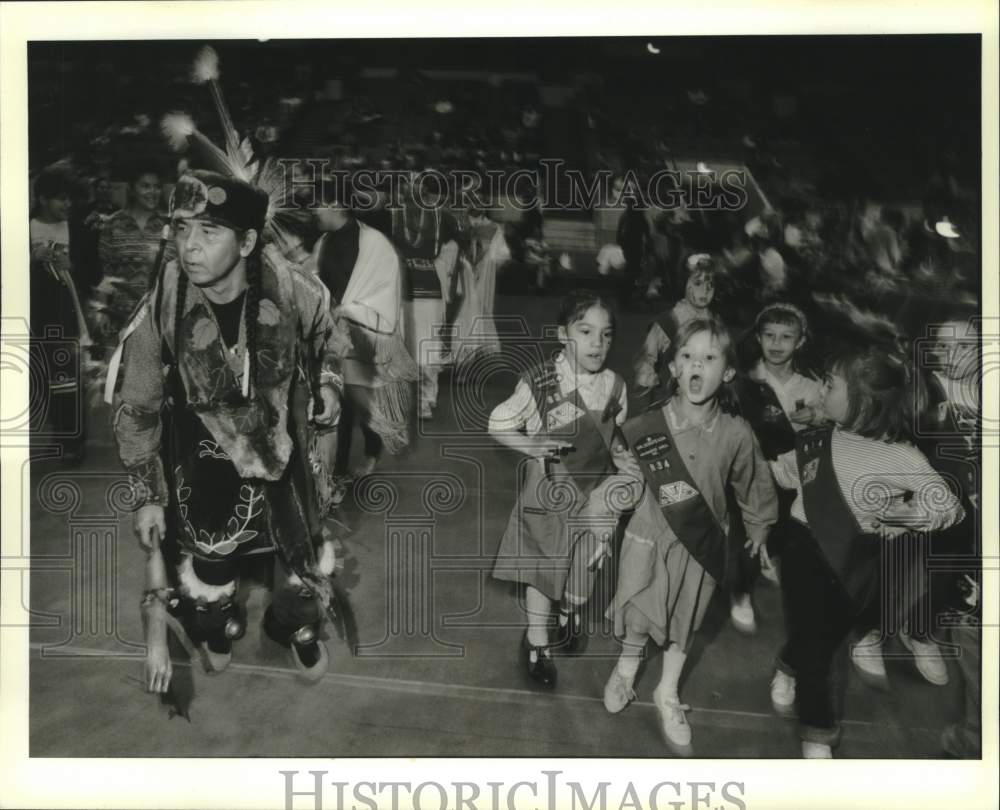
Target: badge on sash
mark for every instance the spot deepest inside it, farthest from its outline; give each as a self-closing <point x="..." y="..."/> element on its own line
<point x="565" y="413"/>
<point x="773" y="412"/>
<point x="653" y="446"/>
<point x="676" y="492"/>
<point x="547" y="378"/>
<point x="809" y="471"/>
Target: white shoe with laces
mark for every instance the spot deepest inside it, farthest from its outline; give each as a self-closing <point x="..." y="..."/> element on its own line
<point x="783" y="693"/>
<point x="673" y="722"/>
<point x="927" y="657"/>
<point x="618" y="691"/>
<point x="866" y="656"/>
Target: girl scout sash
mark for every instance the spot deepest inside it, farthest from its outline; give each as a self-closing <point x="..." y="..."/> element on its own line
<point x="852" y="555"/>
<point x="563" y="418"/>
<point x="683" y="506"/>
<point x="760" y="406"/>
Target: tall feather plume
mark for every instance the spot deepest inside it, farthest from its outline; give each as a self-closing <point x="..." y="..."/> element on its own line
<point x="206" y="66"/>
<point x="177" y="128"/>
<point x="237" y="159"/>
<point x="180" y="132"/>
<point x="206" y="71"/>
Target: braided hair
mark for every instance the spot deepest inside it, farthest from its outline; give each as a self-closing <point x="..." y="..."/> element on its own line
<point x="254" y="282"/>
<point x="182" y="285"/>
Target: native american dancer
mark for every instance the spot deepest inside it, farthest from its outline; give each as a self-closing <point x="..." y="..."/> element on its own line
<point x="223" y="366"/>
<point x="426" y="243"/>
<point x="475" y="330"/>
<point x="361" y="270"/>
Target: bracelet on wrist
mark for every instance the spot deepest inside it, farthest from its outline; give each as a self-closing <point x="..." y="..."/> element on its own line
<point x="152" y="596"/>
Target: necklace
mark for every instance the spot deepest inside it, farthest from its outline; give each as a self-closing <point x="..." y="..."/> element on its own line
<point x="407" y="231"/>
<point x="416" y="240"/>
<point x="236" y="355"/>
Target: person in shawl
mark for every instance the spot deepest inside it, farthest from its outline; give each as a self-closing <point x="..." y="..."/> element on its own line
<point x="222" y="367"/>
<point x="425" y="234"/>
<point x="361" y="270"/>
<point x="475" y="333"/>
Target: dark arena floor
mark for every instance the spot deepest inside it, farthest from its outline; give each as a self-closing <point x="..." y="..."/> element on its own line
<point x="438" y="671"/>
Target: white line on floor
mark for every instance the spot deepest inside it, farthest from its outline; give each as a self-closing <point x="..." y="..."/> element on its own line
<point x="482" y="693"/>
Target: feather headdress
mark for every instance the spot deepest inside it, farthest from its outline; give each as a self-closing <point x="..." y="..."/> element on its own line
<point x="237" y="159"/>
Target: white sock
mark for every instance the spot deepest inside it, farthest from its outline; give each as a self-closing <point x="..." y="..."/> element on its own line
<point x="628" y="666"/>
<point x="673" y="663"/>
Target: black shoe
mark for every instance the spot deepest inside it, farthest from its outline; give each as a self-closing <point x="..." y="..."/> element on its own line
<point x="274" y="631"/>
<point x="217" y="653"/>
<point x="310" y="660"/>
<point x="572" y="638"/>
<point x="542" y="670"/>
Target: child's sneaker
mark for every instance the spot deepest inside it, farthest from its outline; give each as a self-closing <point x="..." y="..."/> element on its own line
<point x="618" y="691"/>
<point x="742" y="615"/>
<point x="866" y="656"/>
<point x="673" y="722"/>
<point x="814" y="750"/>
<point x="928" y="659"/>
<point x="783" y="693"/>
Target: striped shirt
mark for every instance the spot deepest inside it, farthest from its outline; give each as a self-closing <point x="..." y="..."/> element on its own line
<point x="874" y="476"/>
<point x="128" y="251"/>
<point x="519" y="410"/>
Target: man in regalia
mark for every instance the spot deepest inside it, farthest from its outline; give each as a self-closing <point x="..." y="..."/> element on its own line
<point x="225" y="363"/>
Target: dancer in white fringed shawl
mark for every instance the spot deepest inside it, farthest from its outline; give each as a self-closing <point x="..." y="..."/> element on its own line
<point x="475" y="332"/>
<point x="361" y="270"/>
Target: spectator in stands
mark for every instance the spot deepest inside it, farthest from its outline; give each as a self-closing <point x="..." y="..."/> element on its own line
<point x="85" y="222"/>
<point x="129" y="244"/>
<point x="58" y="328"/>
